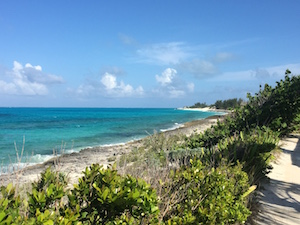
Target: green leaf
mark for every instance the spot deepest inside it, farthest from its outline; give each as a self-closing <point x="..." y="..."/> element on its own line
<point x="249" y="191"/>
<point x="105" y="193"/>
<point x="154" y="208"/>
<point x="9" y="187"/>
<point x="2" y="215"/>
<point x="49" y="222"/>
<point x="136" y="194"/>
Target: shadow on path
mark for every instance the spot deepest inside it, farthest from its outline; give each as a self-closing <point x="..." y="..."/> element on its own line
<point x="280" y="201"/>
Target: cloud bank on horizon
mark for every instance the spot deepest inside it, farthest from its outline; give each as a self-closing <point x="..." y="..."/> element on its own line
<point x="119" y="55"/>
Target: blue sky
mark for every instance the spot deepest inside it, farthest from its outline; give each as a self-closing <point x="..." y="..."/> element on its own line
<point x="143" y="53"/>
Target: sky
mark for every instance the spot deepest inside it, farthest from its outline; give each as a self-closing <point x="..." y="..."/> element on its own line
<point x="149" y="53"/>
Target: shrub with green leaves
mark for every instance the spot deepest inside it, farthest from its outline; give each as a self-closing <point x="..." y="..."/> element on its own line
<point x="9" y="205"/>
<point x="253" y="149"/>
<point x="208" y="195"/>
<point x="105" y="197"/>
<point x="38" y="207"/>
<point x="47" y="192"/>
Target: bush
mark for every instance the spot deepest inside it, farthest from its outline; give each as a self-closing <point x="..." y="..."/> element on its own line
<point x="47" y="192"/>
<point x="207" y="195"/>
<point x="9" y="205"/>
<point x="253" y="149"/>
<point x="103" y="197"/>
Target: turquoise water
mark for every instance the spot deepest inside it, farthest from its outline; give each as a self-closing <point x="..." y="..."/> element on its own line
<point x="46" y="130"/>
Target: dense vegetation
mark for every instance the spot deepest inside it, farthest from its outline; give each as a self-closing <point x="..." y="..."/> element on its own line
<point x="199" y="105"/>
<point x="221" y="104"/>
<point x="203" y="179"/>
<point x="228" y="104"/>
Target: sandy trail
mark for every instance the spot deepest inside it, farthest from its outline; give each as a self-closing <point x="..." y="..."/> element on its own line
<point x="280" y="199"/>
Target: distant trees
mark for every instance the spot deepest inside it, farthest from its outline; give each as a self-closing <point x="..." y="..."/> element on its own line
<point x="219" y="104"/>
<point x="199" y="105"/>
<point x="228" y="104"/>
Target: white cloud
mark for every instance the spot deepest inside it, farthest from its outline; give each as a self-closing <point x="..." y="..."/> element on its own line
<point x="28" y="65"/>
<point x="28" y="80"/>
<point x="188" y="59"/>
<point x="124" y="89"/>
<point x="30" y="88"/>
<point x="139" y="90"/>
<point x="8" y="88"/>
<point x="164" y="53"/>
<point x="118" y="90"/>
<point x="166" y="76"/>
<point x="171" y="86"/>
<point x="108" y="86"/>
<point x="109" y="81"/>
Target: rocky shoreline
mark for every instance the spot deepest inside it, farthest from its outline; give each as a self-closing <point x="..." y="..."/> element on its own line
<point x="74" y="163"/>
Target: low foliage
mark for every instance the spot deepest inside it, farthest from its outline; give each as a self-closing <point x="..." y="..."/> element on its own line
<point x="207" y="195"/>
<point x="9" y="205"/>
<point x="103" y="196"/>
<point x="47" y="192"/>
<point x="253" y="149"/>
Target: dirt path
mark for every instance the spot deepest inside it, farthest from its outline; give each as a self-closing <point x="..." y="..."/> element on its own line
<point x="280" y="199"/>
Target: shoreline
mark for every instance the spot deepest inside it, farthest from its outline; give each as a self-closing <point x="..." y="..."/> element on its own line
<point x="206" y="109"/>
<point x="72" y="164"/>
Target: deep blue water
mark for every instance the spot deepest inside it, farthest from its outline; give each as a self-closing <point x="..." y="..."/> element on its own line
<point x="70" y="129"/>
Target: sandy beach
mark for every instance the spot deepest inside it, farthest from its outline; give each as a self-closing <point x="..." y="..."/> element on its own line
<point x="206" y="109"/>
<point x="73" y="164"/>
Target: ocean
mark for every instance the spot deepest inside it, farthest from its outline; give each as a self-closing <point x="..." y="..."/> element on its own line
<point x="43" y="132"/>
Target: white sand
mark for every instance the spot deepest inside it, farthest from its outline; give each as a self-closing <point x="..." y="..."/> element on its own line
<point x="205" y="109"/>
<point x="280" y="201"/>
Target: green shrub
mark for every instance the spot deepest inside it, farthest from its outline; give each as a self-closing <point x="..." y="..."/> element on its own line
<point x="201" y="194"/>
<point x="253" y="149"/>
<point x="105" y="197"/>
<point x="296" y="123"/>
<point x="47" y="192"/>
<point x="10" y="203"/>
